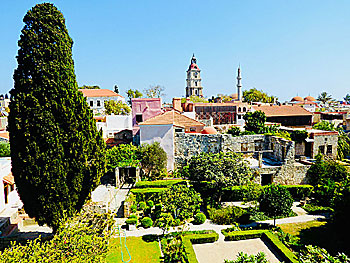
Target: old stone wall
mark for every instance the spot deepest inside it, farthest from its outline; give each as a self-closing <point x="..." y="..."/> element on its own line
<point x="326" y="143"/>
<point x="282" y="149"/>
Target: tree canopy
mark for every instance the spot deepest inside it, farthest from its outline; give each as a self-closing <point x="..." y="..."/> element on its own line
<point x="154" y="91"/>
<point x="133" y="94"/>
<point x="57" y="153"/>
<point x="254" y="95"/>
<point x="116" y="107"/>
<point x="324" y="97"/>
<point x="255" y="121"/>
<point x="153" y="160"/>
<point x="220" y="169"/>
<point x="89" y="87"/>
<point x="194" y="99"/>
<point x="122" y="155"/>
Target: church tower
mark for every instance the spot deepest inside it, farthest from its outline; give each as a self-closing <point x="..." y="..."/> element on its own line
<point x="194" y="81"/>
<point x="239" y="84"/>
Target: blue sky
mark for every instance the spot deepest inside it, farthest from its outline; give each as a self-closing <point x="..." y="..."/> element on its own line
<point x="285" y="48"/>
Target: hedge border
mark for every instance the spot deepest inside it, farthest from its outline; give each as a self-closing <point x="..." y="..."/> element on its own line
<point x="158" y="183"/>
<point x="272" y="239"/>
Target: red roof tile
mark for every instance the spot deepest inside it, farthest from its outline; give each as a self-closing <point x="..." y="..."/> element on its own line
<point x="283" y="110"/>
<point x="99" y="93"/>
<point x="172" y="117"/>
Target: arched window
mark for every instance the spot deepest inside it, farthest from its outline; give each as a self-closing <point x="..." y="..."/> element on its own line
<point x="244" y="109"/>
<point x="239" y="109"/>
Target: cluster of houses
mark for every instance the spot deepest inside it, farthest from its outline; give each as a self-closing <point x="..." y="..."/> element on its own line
<point x="185" y="128"/>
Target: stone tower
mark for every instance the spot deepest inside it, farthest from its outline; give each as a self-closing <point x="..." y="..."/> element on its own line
<point x="194" y="81"/>
<point x="239" y="84"/>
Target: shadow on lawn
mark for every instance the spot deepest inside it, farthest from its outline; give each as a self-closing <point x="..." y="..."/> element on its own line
<point x="327" y="236"/>
<point x="150" y="238"/>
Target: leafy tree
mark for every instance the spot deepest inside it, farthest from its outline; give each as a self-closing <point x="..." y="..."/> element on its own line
<point x="255" y="121"/>
<point x="57" y="154"/>
<point x="313" y="254"/>
<point x="195" y="99"/>
<point x="154" y="92"/>
<point x="235" y="131"/>
<point x="5" y="149"/>
<point x="164" y="221"/>
<point x="123" y="155"/>
<point x="324" y="97"/>
<point x="324" y="126"/>
<point x="347" y="98"/>
<point x="133" y="94"/>
<point x="181" y="201"/>
<point x="153" y="160"/>
<point x="299" y="135"/>
<point x="174" y="250"/>
<point x="89" y="87"/>
<point x="220" y="169"/>
<point x="254" y="95"/>
<point x="245" y="258"/>
<point x="116" y="107"/>
<point x="275" y="201"/>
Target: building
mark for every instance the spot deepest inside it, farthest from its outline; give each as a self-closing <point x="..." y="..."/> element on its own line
<point x="111" y="125"/>
<point x="142" y="110"/>
<point x="194" y="81"/>
<point x="96" y="98"/>
<point x="286" y="115"/>
<point x="162" y="129"/>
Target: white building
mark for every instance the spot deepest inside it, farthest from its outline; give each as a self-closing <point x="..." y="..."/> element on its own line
<point x="96" y="98"/>
<point x="113" y="124"/>
<point x="8" y="195"/>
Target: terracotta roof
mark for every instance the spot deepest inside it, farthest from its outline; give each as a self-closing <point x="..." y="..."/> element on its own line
<point x="172" y="117"/>
<point x="297" y="98"/>
<point x="283" y="110"/>
<point x="209" y="130"/>
<point x="310" y="98"/>
<point x="99" y="93"/>
<point x="5" y="135"/>
<point x="9" y="179"/>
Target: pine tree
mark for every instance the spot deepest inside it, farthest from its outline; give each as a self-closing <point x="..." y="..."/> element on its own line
<point x="57" y="154"/>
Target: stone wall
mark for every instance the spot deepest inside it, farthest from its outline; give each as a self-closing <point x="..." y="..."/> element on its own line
<point x="282" y="149"/>
<point x="326" y="141"/>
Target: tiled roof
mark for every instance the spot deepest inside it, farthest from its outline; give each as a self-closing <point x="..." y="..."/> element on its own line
<point x="172" y="117"/>
<point x="5" y="135"/>
<point x="9" y="179"/>
<point x="99" y="93"/>
<point x="283" y="110"/>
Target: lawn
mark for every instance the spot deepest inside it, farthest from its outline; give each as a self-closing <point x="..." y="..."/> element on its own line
<point x="318" y="233"/>
<point x="295" y="228"/>
<point x="141" y="249"/>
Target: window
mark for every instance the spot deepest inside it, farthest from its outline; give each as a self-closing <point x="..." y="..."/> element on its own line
<point x="98" y="103"/>
<point x="329" y="150"/>
<point x="239" y="117"/>
<point x="244" y="147"/>
<point x="139" y="118"/>
<point x="239" y="109"/>
<point x="178" y="130"/>
<point x="266" y="179"/>
<point x="91" y="103"/>
<point x="321" y="149"/>
<point x="244" y="109"/>
<point x="195" y="83"/>
<point x="193" y="129"/>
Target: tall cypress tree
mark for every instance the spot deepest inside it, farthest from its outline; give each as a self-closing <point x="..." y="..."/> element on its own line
<point x="57" y="154"/>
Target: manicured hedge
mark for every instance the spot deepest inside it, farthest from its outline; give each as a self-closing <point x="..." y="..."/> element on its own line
<point x="299" y="192"/>
<point x="131" y="221"/>
<point x="284" y="252"/>
<point x="287" y="255"/>
<point x="242" y="235"/>
<point x="159" y="183"/>
<point x="316" y="210"/>
<point x="145" y="194"/>
<point x="197" y="239"/>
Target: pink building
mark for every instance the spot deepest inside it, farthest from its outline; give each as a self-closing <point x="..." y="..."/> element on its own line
<point x="142" y="110"/>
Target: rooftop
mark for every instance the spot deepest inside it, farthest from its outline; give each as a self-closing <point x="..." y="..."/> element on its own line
<point x="172" y="117"/>
<point x="282" y="110"/>
<point x="99" y="93"/>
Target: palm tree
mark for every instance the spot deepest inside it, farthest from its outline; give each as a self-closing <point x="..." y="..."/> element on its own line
<point x="324" y="97"/>
<point x="347" y="98"/>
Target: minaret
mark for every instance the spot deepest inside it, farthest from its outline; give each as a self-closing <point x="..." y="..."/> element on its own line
<point x="194" y="81"/>
<point x="239" y="85"/>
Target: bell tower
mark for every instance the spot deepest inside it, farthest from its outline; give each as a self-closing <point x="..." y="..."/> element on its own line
<point x="194" y="81"/>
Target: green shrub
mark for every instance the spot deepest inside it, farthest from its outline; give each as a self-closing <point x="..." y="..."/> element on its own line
<point x="248" y="192"/>
<point x="275" y="201"/>
<point x="142" y="206"/>
<point x="145" y="194"/>
<point x="225" y="216"/>
<point x="287" y="255"/>
<point x="133" y="216"/>
<point x="299" y="192"/>
<point x="150" y="203"/>
<point x="131" y="221"/>
<point x="5" y="149"/>
<point x="315" y="209"/>
<point x="245" y="258"/>
<point x="159" y="183"/>
<point x="199" y="218"/>
<point x="146" y="222"/>
<point x="174" y="250"/>
<point x="242" y="235"/>
<point x="133" y="208"/>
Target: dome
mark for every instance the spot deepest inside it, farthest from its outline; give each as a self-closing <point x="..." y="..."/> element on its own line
<point x="309" y="98"/>
<point x="193" y="66"/>
<point x="297" y="98"/>
<point x="209" y="130"/>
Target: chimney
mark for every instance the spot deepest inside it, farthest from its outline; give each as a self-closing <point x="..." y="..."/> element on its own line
<point x="177" y="104"/>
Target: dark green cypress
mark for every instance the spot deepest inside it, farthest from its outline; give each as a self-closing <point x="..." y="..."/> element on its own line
<point x="58" y="156"/>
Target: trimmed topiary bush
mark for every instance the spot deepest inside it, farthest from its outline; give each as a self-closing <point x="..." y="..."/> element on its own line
<point x="199" y="218"/>
<point x="133" y="208"/>
<point x="142" y="205"/>
<point x="150" y="203"/>
<point x="276" y="200"/>
<point x="146" y="222"/>
<point x="131" y="221"/>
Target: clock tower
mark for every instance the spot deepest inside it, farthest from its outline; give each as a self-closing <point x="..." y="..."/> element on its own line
<point x="194" y="81"/>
